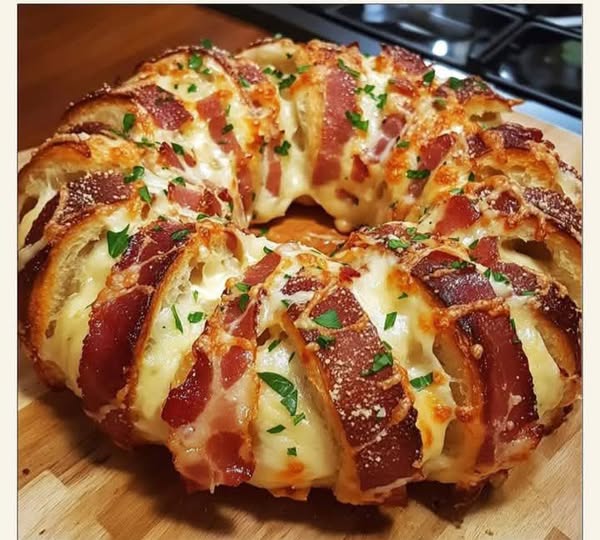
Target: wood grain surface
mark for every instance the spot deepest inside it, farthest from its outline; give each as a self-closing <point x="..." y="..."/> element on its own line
<point x="74" y="483"/>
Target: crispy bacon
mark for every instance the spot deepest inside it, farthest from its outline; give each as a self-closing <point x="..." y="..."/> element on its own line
<point x="476" y="146"/>
<point x="359" y="170"/>
<point x="198" y="200"/>
<point x="336" y="130"/>
<point x="39" y="224"/>
<point x="391" y="128"/>
<point x="211" y="410"/>
<point x="168" y="157"/>
<point x="117" y="321"/>
<point x="384" y="450"/>
<point x="473" y="86"/>
<point x="561" y="209"/>
<point x="402" y="86"/>
<point x="459" y="213"/>
<point x="510" y="402"/>
<point x="406" y="60"/>
<point x="518" y="136"/>
<point x="273" y="181"/>
<point x="211" y="110"/>
<point x="90" y="128"/>
<point x="165" y="109"/>
<point x="434" y="150"/>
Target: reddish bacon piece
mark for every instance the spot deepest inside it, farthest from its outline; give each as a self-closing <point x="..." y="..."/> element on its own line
<point x="116" y="323"/>
<point x="165" y="109"/>
<point x="391" y="128"/>
<point x="39" y="224"/>
<point x="561" y="209"/>
<point x="518" y="136"/>
<point x="476" y="146"/>
<point x="210" y="412"/>
<point x="359" y="170"/>
<point x="90" y="128"/>
<point x="273" y="182"/>
<point x="187" y="401"/>
<point x="408" y="61"/>
<point x="168" y="157"/>
<point x="510" y="403"/>
<point x="198" y="200"/>
<point x="458" y="214"/>
<point x="471" y="87"/>
<point x="336" y="130"/>
<point x="435" y="150"/>
<point x="402" y="86"/>
<point x="383" y="451"/>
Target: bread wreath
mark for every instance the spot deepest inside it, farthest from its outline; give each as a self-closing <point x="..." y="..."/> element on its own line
<point x="438" y="344"/>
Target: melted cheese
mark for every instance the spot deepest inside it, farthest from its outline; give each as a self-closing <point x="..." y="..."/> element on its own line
<point x="65" y="346"/>
<point x="316" y="460"/>
<point x="547" y="383"/>
<point x="167" y="346"/>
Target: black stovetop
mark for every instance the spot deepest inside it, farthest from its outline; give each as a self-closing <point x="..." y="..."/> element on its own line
<point x="533" y="51"/>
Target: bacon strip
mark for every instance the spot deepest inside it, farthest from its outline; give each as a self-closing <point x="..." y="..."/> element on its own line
<point x="211" y="410"/>
<point x="510" y="403"/>
<point x="391" y="128"/>
<point x="518" y="136"/>
<point x="336" y="130"/>
<point x="198" y="200"/>
<point x="561" y="209"/>
<point x="118" y="316"/>
<point x="406" y="60"/>
<point x="165" y="109"/>
<point x="168" y="157"/>
<point x="459" y="213"/>
<point x="212" y="111"/>
<point x="381" y="453"/>
<point x="435" y="150"/>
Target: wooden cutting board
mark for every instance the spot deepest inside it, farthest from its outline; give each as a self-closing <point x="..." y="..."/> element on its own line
<point x="74" y="483"/>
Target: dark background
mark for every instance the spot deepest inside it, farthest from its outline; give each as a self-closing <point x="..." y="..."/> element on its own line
<point x="58" y="64"/>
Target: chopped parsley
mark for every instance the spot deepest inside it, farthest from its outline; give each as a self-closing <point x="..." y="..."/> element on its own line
<point x="457" y="265"/>
<point x="276" y="429"/>
<point x="227" y="128"/>
<point x="380" y="361"/>
<point x="402" y="296"/>
<point x="192" y="88"/>
<point x="439" y="103"/>
<point x="128" y="122"/>
<point x="303" y="69"/>
<point x="287" y="82"/>
<point x="267" y="250"/>
<point x="273" y="345"/>
<point x="286" y="303"/>
<point x="195" y="316"/>
<point x="420" y="237"/>
<point x="424" y="381"/>
<point x="179" y="235"/>
<point x="474" y="243"/>
<point x="284" y="387"/>
<point x="428" y="77"/>
<point x="244" y="82"/>
<point x="417" y="174"/>
<point x="397" y="243"/>
<point x="356" y="120"/>
<point x="342" y="65"/>
<point x="117" y="242"/>
<point x="243" y="301"/>
<point x="455" y="83"/>
<point x="179" y="180"/>
<point x="145" y="142"/>
<point x="471" y="177"/>
<point x="402" y="144"/>
<point x="457" y="191"/>
<point x="325" y="341"/>
<point x="298" y="418"/>
<point x="136" y="173"/>
<point x="513" y="325"/>
<point x="178" y="149"/>
<point x="381" y="101"/>
<point x="328" y="319"/>
<point x="195" y="296"/>
<point x="390" y="320"/>
<point x="195" y="62"/>
<point x="207" y="43"/>
<point x="243" y="287"/>
<point x="282" y="150"/>
<point x="201" y="216"/>
<point x="292" y="354"/>
<point x="527" y="293"/>
<point x="178" y="324"/>
<point x="145" y="194"/>
<point x="292" y="451"/>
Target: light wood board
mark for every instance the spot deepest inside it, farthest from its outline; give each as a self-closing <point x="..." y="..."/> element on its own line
<point x="73" y="483"/>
